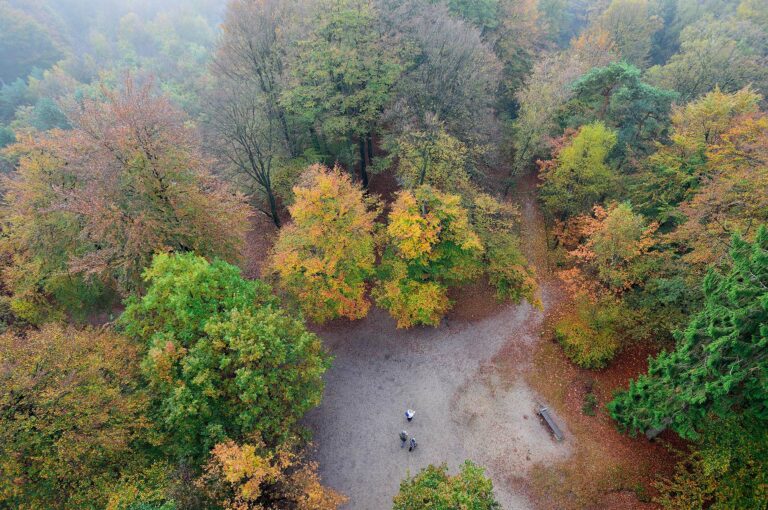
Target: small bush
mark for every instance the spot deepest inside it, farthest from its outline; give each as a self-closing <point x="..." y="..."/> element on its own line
<point x="589" y="406"/>
<point x="588" y="336"/>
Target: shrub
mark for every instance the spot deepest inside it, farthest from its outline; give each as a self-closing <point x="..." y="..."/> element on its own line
<point x="588" y="335"/>
<point x="434" y="488"/>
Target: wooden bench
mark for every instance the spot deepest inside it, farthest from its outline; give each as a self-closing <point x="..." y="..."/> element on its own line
<point x="544" y="413"/>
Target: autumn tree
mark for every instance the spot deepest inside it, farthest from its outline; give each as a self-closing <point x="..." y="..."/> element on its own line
<point x="95" y="203"/>
<point x="731" y="197"/>
<point x="616" y="240"/>
<point x="718" y="366"/>
<point x="632" y="25"/>
<point x="325" y="256"/>
<point x="433" y="487"/>
<point x="677" y="170"/>
<point x="728" y="468"/>
<point x="249" y="476"/>
<point x="723" y="53"/>
<point x="73" y="423"/>
<point x="428" y="245"/>
<point x="579" y="176"/>
<point x="343" y="74"/>
<point x="222" y="359"/>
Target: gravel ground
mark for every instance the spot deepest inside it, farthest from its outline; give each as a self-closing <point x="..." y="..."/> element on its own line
<point x="465" y="408"/>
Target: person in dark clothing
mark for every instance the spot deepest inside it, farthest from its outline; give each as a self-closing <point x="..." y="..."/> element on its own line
<point x="403" y="438"/>
<point x="412" y="445"/>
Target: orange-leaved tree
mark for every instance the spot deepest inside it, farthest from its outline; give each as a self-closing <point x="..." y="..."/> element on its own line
<point x="98" y="201"/>
<point x="248" y="476"/>
<point x="325" y="255"/>
<point x="429" y="244"/>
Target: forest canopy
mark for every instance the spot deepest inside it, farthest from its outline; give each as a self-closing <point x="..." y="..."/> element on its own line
<point x="197" y="193"/>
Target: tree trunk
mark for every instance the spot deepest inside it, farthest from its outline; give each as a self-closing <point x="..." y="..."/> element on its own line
<point x="424" y="167"/>
<point x="273" y="207"/>
<point x="370" y="148"/>
<point x="286" y="133"/>
<point x="363" y="172"/>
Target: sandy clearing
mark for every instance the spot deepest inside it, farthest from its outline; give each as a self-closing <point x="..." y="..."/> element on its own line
<point x="464" y="408"/>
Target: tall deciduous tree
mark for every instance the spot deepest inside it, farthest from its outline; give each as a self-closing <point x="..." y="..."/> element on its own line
<point x="344" y="72"/>
<point x="127" y="181"/>
<point x="251" y="128"/>
<point x="677" y="170"/>
<point x="223" y="361"/>
<point x="579" y="176"/>
<point x="731" y="197"/>
<point x="719" y="366"/>
<point x="632" y="25"/>
<point x="72" y="417"/>
<point x="324" y="257"/>
<point x="429" y="244"/>
<point x="452" y="76"/>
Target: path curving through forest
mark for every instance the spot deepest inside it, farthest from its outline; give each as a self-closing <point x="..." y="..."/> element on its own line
<point x="465" y="379"/>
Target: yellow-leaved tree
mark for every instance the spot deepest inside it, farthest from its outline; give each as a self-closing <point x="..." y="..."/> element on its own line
<point x="428" y="245"/>
<point x="324" y="256"/>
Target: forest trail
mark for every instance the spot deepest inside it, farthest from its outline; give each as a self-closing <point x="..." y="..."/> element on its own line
<point x="465" y="380"/>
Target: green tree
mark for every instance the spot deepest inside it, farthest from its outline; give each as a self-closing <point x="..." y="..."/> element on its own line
<point x="24" y="44"/>
<point x="719" y="366"/>
<point x="222" y="359"/>
<point x="434" y="488"/>
<point x="579" y="176"/>
<point x="344" y="74"/>
<point x="617" y="96"/>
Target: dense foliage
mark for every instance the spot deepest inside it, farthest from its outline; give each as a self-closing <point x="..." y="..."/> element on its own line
<point x="324" y="257"/>
<point x="222" y="359"/>
<point x="433" y="487"/>
<point x="718" y="367"/>
<point x="143" y="144"/>
<point x="73" y="418"/>
<point x="429" y="245"/>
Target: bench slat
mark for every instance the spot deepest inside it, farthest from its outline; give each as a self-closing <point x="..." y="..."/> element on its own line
<point x="544" y="412"/>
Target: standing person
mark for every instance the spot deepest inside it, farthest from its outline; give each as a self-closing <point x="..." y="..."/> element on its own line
<point x="412" y="445"/>
<point x="403" y="438"/>
<point x="409" y="414"/>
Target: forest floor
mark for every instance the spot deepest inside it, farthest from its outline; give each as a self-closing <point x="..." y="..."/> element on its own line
<point x="475" y="383"/>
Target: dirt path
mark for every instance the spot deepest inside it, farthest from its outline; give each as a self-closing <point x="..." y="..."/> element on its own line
<point x="464" y="380"/>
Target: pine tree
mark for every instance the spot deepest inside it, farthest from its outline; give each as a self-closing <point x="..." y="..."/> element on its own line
<point x="720" y="365"/>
